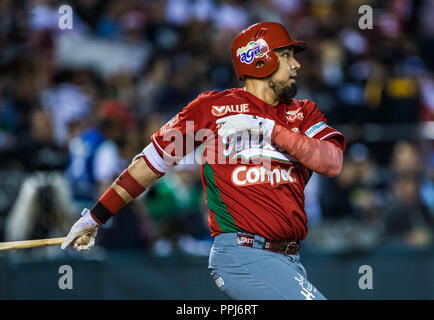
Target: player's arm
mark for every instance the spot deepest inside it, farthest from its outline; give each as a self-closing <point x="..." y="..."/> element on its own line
<point x="154" y="161"/>
<point x="132" y="182"/>
<point x="320" y="156"/>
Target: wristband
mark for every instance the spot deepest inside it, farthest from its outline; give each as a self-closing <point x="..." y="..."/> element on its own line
<point x="127" y="182"/>
<point x="109" y="203"/>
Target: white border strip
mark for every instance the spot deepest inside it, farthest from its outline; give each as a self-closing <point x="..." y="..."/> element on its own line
<point x="334" y="132"/>
<point x="161" y="149"/>
<point x="154" y="158"/>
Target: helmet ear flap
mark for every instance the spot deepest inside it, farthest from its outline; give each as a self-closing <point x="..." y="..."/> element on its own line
<point x="271" y="63"/>
<point x="264" y="67"/>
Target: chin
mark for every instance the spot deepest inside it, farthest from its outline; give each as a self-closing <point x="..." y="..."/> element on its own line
<point x="287" y="93"/>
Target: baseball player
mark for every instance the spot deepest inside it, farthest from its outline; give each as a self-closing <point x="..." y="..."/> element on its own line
<point x="259" y="146"/>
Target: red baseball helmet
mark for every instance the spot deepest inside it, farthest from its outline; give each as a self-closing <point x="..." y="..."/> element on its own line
<point x="256" y="43"/>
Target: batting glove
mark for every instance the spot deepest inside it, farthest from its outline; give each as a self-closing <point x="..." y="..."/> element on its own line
<point x="86" y="225"/>
<point x="245" y="122"/>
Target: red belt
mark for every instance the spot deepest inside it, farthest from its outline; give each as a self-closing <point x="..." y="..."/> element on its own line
<point x="284" y="247"/>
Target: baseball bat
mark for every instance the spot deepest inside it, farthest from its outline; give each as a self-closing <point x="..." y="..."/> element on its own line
<point x="11" y="245"/>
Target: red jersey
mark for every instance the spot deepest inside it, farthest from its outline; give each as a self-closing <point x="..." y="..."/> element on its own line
<point x="242" y="194"/>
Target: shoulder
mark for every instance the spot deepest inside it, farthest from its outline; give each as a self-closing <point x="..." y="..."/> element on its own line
<point x="197" y="108"/>
<point x="202" y="99"/>
<point x="307" y="105"/>
<point x="214" y="97"/>
<point x="309" y="108"/>
<point x="215" y="94"/>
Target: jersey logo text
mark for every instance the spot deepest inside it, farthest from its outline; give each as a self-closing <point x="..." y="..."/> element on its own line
<point x="219" y="111"/>
<point x="249" y="175"/>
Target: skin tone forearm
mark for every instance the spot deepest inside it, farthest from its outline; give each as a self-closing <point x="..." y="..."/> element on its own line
<point x="141" y="172"/>
<point x="319" y="156"/>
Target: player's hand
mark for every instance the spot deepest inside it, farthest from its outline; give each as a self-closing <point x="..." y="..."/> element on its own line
<point x="82" y="234"/>
<point x="245" y="122"/>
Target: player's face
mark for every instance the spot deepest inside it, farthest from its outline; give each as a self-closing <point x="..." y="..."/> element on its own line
<point x="283" y="80"/>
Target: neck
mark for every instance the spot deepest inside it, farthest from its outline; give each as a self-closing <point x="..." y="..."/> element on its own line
<point x="261" y="89"/>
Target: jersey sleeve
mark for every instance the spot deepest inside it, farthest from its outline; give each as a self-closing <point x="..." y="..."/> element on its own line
<point x="175" y="139"/>
<point x="315" y="126"/>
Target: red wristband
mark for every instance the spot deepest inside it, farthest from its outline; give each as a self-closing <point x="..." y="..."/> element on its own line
<point x="112" y="200"/>
<point x="126" y="181"/>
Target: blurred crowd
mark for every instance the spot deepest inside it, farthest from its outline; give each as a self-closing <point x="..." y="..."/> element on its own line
<point x="77" y="104"/>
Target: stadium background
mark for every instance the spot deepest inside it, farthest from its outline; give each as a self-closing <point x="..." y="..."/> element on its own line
<point x="77" y="105"/>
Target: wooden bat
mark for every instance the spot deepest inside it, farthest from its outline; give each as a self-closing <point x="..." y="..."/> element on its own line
<point x="11" y="245"/>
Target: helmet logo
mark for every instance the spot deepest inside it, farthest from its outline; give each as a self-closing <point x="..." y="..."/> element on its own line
<point x="253" y="50"/>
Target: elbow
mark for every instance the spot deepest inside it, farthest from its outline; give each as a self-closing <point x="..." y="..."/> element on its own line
<point x="331" y="171"/>
<point x="336" y="167"/>
<point x="334" y="172"/>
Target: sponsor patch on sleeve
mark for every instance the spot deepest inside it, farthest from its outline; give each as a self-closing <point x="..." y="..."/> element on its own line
<point x="312" y="131"/>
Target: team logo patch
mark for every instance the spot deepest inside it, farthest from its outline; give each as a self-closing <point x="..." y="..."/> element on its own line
<point x="219" y="111"/>
<point x="315" y="129"/>
<point x="253" y="50"/>
<point x="172" y="122"/>
<point x="292" y="116"/>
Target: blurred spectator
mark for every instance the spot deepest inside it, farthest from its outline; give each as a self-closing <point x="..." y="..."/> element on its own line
<point x="65" y="102"/>
<point x="43" y="209"/>
<point x="406" y="218"/>
<point x="38" y="148"/>
<point x="151" y="87"/>
<point x="94" y="152"/>
<point x="406" y="160"/>
<point x="231" y="15"/>
<point x="358" y="190"/>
